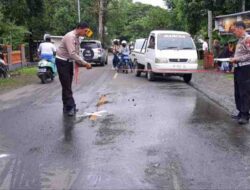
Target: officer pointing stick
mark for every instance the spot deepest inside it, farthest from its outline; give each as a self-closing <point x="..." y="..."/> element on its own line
<point x="67" y="52"/>
<point x="241" y="62"/>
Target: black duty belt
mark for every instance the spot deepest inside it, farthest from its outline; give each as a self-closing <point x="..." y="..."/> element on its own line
<point x="64" y="59"/>
<point x="241" y="64"/>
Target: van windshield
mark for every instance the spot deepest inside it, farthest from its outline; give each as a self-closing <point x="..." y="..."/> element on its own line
<point x="174" y="41"/>
<point x="138" y="44"/>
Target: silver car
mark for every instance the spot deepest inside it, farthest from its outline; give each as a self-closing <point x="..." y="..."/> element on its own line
<point x="93" y="51"/>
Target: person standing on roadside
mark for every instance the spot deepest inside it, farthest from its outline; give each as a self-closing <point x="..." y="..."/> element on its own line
<point x="216" y="48"/>
<point x="241" y="61"/>
<point x="67" y="52"/>
<point x="205" y="45"/>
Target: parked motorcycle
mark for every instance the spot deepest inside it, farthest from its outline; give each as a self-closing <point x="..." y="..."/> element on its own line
<point x="46" y="70"/>
<point x="3" y="69"/>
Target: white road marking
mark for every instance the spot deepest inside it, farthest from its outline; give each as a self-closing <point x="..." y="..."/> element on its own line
<point x="175" y="179"/>
<point x="4" y="155"/>
<point x="115" y="76"/>
<point x="98" y="113"/>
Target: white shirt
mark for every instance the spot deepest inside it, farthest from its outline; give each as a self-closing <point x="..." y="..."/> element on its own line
<point x="204" y="46"/>
<point x="47" y="48"/>
<point x="125" y="50"/>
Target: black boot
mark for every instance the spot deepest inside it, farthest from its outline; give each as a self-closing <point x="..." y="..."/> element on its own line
<point x="243" y="121"/>
<point x="244" y="118"/>
<point x="72" y="111"/>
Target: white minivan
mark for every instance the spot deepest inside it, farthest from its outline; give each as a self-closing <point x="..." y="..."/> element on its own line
<point x="170" y="53"/>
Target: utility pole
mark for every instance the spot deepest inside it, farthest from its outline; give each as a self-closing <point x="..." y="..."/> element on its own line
<point x="101" y="19"/>
<point x="78" y="7"/>
<point x="243" y="5"/>
<point x="210" y="25"/>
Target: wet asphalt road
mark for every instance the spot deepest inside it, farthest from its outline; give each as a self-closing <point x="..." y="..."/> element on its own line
<point x="155" y="135"/>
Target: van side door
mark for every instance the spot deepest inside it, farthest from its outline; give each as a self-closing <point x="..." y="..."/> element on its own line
<point x="141" y="55"/>
<point x="150" y="49"/>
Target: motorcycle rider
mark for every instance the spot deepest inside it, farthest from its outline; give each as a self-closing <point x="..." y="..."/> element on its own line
<point x="47" y="49"/>
<point x="116" y="51"/>
<point x="3" y="67"/>
<point x="2" y="59"/>
<point x="124" y="48"/>
<point x="125" y="52"/>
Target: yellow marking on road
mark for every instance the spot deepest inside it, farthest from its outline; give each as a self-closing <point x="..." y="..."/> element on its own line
<point x="102" y="100"/>
<point x="115" y="76"/>
<point x="93" y="118"/>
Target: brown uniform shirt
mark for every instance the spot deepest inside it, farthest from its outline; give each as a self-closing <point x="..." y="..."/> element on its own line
<point x="69" y="48"/>
<point x="242" y="52"/>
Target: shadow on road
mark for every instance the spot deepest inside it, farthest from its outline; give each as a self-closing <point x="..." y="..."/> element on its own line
<point x="68" y="125"/>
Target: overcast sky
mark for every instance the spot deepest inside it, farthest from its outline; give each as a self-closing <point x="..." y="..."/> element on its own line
<point x="160" y="3"/>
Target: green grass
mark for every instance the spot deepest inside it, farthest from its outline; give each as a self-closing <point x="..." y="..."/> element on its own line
<point x="8" y="81"/>
<point x="19" y="77"/>
<point x="25" y="71"/>
<point x="200" y="62"/>
<point x="230" y="76"/>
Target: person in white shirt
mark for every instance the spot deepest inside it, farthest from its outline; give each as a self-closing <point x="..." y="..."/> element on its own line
<point x="125" y="53"/>
<point x="47" y="50"/>
<point x="205" y="45"/>
<point x="124" y="48"/>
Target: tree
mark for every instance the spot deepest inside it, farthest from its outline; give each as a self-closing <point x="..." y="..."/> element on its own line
<point x="121" y="18"/>
<point x="135" y="20"/>
<point x="193" y="13"/>
<point x="10" y="33"/>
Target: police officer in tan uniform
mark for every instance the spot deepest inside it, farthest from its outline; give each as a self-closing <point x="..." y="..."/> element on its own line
<point x="67" y="52"/>
<point x="241" y="62"/>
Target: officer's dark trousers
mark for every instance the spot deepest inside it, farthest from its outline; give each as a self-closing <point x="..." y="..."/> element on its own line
<point x="65" y="72"/>
<point x="242" y="89"/>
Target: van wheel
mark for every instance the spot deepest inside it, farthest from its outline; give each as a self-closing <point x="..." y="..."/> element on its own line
<point x="187" y="78"/>
<point x="138" y="69"/>
<point x="150" y="74"/>
<point x="102" y="63"/>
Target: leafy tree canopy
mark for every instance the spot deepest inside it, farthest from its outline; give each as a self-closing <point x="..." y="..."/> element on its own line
<point x="122" y="18"/>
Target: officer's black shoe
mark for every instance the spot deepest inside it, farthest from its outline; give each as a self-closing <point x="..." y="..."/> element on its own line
<point x="243" y="121"/>
<point x="72" y="112"/>
<point x="65" y="110"/>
